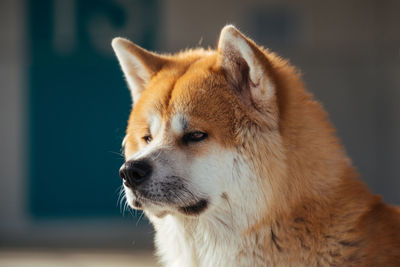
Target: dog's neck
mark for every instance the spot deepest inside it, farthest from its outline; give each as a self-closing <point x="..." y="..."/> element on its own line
<point x="223" y="238"/>
<point x="215" y="239"/>
<point x="221" y="233"/>
<point x="237" y="230"/>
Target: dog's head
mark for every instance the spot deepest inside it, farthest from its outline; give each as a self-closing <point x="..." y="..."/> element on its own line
<point x="199" y="121"/>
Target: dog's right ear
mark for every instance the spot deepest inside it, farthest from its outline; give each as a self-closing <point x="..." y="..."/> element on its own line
<point x="246" y="68"/>
<point x="138" y="65"/>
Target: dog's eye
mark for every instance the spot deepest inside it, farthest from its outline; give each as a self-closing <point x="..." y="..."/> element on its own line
<point x="196" y="136"/>
<point x="147" y="138"/>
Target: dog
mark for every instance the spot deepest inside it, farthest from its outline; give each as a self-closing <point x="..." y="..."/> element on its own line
<point x="235" y="163"/>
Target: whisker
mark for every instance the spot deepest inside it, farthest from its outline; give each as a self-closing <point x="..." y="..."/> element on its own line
<point x="141" y="215"/>
<point x="125" y="208"/>
<point x="155" y="157"/>
<point x="117" y="153"/>
<point x="122" y="201"/>
<point x="121" y="191"/>
<point x="130" y="211"/>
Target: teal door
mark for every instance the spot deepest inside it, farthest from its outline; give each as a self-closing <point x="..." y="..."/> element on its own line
<point x="79" y="103"/>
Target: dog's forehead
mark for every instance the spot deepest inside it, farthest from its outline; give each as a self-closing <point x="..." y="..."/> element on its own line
<point x="194" y="97"/>
<point x="179" y="90"/>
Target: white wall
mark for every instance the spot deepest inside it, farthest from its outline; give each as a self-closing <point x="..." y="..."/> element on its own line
<point x="12" y="118"/>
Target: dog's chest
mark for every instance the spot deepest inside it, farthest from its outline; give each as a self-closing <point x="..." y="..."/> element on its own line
<point x="205" y="245"/>
<point x="179" y="244"/>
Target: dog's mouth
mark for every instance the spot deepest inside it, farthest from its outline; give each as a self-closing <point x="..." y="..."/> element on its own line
<point x="166" y="199"/>
<point x="197" y="208"/>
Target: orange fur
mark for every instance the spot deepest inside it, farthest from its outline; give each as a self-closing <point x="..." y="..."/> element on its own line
<point x="319" y="213"/>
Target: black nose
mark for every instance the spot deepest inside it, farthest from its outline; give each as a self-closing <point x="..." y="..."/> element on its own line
<point x="135" y="172"/>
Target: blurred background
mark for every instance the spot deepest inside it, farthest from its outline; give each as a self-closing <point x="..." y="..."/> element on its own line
<point x="64" y="106"/>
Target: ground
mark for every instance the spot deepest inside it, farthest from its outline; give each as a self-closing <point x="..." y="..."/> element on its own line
<point x="76" y="258"/>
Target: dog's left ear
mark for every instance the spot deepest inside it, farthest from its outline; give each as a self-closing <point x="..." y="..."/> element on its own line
<point x="245" y="67"/>
<point x="138" y="65"/>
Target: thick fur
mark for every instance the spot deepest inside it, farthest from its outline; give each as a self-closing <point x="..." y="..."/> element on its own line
<point x="279" y="187"/>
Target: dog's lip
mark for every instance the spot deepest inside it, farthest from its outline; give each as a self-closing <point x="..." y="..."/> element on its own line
<point x="196" y="208"/>
<point x="191" y="210"/>
<point x="126" y="183"/>
<point x="139" y="203"/>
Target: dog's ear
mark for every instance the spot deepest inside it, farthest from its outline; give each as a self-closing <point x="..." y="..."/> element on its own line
<point x="138" y="65"/>
<point x="245" y="67"/>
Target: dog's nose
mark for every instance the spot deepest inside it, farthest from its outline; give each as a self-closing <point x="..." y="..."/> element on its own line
<point x="135" y="172"/>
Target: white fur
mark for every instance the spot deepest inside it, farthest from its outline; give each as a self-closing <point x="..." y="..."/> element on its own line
<point x="176" y="124"/>
<point x="124" y="140"/>
<point x="215" y="238"/>
<point x="155" y="124"/>
<point x="135" y="72"/>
